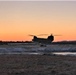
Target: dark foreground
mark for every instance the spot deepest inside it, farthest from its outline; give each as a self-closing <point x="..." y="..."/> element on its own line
<point x="37" y="65"/>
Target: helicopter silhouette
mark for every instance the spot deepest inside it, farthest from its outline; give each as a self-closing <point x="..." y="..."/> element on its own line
<point x="47" y="40"/>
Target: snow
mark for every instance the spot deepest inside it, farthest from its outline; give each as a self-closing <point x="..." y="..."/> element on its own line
<point x="21" y="48"/>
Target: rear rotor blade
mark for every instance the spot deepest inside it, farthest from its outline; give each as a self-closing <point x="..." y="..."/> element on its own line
<point x="57" y="35"/>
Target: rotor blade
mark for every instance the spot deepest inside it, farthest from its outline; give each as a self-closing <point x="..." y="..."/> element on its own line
<point x="57" y="35"/>
<point x="31" y="35"/>
<point x="42" y="34"/>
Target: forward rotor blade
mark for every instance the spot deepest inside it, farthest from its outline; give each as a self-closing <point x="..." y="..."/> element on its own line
<point x="42" y="34"/>
<point x="31" y="35"/>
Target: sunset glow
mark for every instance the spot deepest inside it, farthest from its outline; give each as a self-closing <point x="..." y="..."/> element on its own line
<point x="18" y="19"/>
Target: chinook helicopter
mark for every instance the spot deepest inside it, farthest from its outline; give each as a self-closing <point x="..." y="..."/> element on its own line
<point x="47" y="40"/>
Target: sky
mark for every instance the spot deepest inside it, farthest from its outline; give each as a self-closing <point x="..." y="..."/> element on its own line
<point x="18" y="19"/>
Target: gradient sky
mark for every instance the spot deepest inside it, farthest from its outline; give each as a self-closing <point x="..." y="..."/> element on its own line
<point x="20" y="18"/>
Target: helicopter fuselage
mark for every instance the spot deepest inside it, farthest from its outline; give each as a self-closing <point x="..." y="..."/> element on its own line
<point x="49" y="39"/>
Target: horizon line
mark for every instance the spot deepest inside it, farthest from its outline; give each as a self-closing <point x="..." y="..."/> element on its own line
<point x="37" y="0"/>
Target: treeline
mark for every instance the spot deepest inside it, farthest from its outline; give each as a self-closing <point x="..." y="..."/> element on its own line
<point x="59" y="42"/>
<point x="7" y="42"/>
<point x="64" y="42"/>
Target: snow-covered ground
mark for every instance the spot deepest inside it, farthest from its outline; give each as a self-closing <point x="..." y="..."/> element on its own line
<point x="22" y="48"/>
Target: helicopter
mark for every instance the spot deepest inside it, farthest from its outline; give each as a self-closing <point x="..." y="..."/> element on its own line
<point x="47" y="40"/>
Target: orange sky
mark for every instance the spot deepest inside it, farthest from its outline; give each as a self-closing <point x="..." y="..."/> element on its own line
<point x="18" y="19"/>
